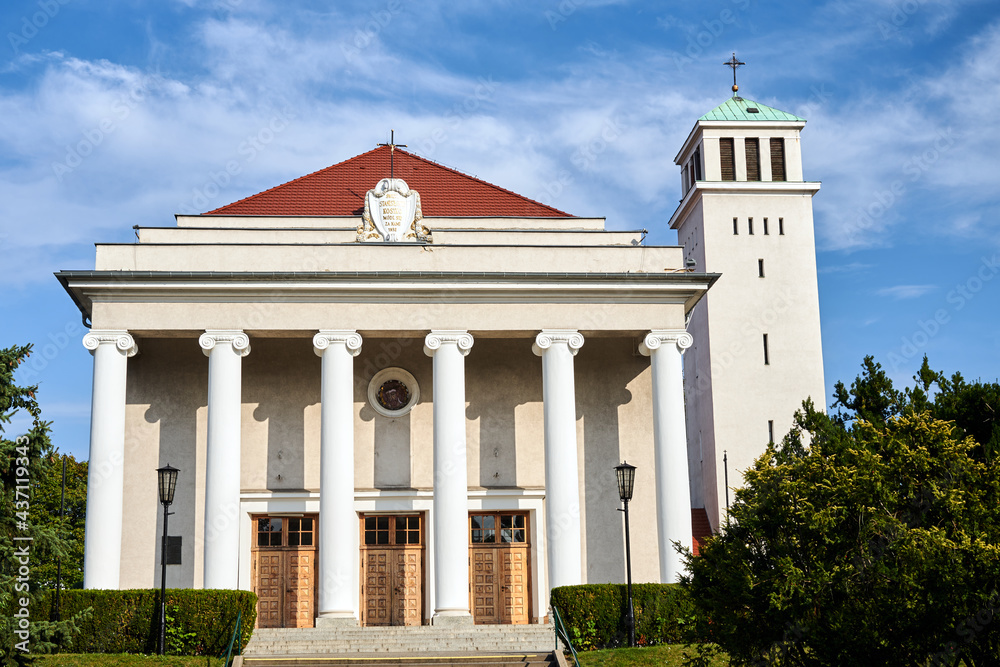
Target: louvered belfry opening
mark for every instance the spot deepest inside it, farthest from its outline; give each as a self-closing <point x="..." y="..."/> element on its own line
<point x="753" y="159"/>
<point x="728" y="159"/>
<point x="777" y="159"/>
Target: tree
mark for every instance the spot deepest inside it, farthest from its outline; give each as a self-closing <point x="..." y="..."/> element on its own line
<point x="870" y="536"/>
<point x="46" y="493"/>
<point x="973" y="407"/>
<point x="24" y="540"/>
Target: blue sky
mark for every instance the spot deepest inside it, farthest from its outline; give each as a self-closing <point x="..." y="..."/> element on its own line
<point x="117" y="113"/>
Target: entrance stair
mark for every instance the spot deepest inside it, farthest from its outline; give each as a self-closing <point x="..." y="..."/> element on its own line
<point x="408" y="660"/>
<point x="356" y="643"/>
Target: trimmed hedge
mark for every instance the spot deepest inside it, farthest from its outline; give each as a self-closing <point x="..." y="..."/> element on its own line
<point x="199" y="622"/>
<point x="595" y="614"/>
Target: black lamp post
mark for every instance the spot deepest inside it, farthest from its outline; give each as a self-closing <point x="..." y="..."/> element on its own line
<point x="167" y="485"/>
<point x="626" y="478"/>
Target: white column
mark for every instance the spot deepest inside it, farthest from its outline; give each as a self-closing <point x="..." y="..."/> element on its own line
<point x="451" y="479"/>
<point x="225" y="351"/>
<point x="673" y="491"/>
<point x="102" y="542"/>
<point x="562" y="480"/>
<point x="338" y="522"/>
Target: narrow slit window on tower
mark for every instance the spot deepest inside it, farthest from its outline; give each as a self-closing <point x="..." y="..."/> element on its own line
<point x="781" y="226"/>
<point x="765" y="226"/>
<point x="760" y="268"/>
<point x="728" y="159"/>
<point x="777" y="159"/>
<point x="697" y="164"/>
<point x="736" y="226"/>
<point x="750" y="225"/>
<point x="770" y="431"/>
<point x="767" y="355"/>
<point x="753" y="159"/>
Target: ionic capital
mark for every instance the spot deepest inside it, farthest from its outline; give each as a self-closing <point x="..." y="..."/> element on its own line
<point x="350" y="339"/>
<point x="657" y="337"/>
<point x="435" y="339"/>
<point x="549" y="337"/>
<point x="121" y="339"/>
<point x="212" y="337"/>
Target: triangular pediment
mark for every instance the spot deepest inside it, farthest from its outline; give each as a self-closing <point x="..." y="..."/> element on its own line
<point x="339" y="190"/>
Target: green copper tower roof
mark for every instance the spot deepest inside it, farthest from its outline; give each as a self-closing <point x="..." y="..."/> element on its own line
<point x="737" y="108"/>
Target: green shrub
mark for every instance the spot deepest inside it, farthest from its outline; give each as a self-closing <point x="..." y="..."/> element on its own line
<point x="200" y="622"/>
<point x="595" y="614"/>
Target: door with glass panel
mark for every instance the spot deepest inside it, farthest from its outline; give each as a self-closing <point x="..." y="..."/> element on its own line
<point x="283" y="563"/>
<point x="392" y="562"/>
<point x="499" y="573"/>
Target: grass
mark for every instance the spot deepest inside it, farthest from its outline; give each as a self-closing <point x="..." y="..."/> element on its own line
<point x="666" y="655"/>
<point x="125" y="660"/>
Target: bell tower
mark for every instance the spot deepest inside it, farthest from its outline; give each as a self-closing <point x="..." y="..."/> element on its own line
<point x="746" y="212"/>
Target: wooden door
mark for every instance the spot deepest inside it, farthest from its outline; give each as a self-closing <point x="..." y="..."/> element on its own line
<point x="407" y="585"/>
<point x="514" y="585"/>
<point x="268" y="583"/>
<point x="378" y="587"/>
<point x="485" y="605"/>
<point x="392" y="556"/>
<point x="283" y="561"/>
<point x="499" y="575"/>
<point x="300" y="568"/>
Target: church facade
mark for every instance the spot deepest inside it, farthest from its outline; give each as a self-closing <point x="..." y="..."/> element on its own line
<point x="397" y="393"/>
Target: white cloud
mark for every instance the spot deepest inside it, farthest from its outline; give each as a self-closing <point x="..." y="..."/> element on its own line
<point x="906" y="291"/>
<point x="595" y="138"/>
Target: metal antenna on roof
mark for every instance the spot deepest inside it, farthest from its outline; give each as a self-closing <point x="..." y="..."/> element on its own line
<point x="392" y="151"/>
<point x="734" y="63"/>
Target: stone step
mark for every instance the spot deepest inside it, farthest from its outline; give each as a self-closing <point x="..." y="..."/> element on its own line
<point x="406" y="660"/>
<point x="326" y="642"/>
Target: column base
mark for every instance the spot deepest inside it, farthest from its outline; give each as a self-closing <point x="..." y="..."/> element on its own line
<point x="452" y="619"/>
<point x="337" y="621"/>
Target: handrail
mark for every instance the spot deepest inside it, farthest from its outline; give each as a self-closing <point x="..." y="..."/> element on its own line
<point x="238" y="630"/>
<point x="562" y="633"/>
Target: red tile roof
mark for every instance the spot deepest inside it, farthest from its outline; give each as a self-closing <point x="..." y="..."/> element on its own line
<point x="340" y="190"/>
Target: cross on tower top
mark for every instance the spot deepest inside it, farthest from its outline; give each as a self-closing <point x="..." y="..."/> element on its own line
<point x="734" y="63"/>
<point x="392" y="151"/>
